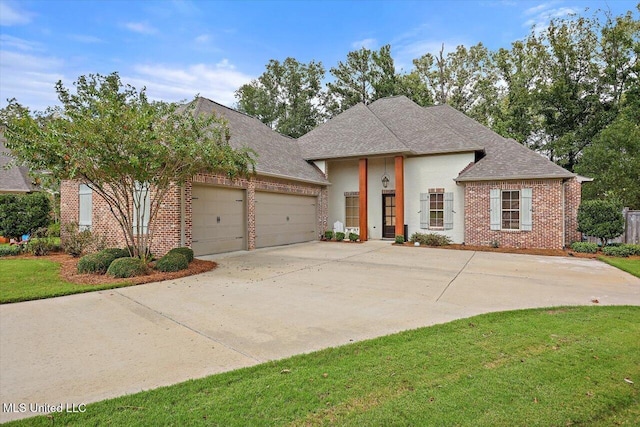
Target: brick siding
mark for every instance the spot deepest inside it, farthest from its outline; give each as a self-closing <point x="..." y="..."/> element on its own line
<point x="554" y="207"/>
<point x="173" y="215"/>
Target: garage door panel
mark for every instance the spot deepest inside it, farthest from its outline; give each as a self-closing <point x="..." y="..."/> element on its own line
<point x="218" y="220"/>
<point x="284" y="218"/>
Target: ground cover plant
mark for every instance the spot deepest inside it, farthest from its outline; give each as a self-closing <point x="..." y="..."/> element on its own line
<point x="541" y="367"/>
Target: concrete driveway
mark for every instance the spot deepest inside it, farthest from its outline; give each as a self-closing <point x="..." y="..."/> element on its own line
<point x="269" y="304"/>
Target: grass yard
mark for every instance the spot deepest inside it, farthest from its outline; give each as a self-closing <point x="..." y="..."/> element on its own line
<point x="28" y="279"/>
<point x="631" y="266"/>
<point x="542" y="367"/>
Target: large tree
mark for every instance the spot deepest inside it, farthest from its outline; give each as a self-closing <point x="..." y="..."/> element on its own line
<point x="286" y="97"/>
<point x="128" y="150"/>
<point x="365" y="76"/>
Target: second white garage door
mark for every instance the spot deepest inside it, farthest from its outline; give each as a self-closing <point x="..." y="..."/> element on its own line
<point x="284" y="218"/>
<point x="219" y="220"/>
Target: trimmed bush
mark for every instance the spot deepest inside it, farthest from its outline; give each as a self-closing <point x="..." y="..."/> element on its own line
<point x="187" y="252"/>
<point x="634" y="249"/>
<point x="328" y="234"/>
<point x="127" y="267"/>
<point x="617" y="251"/>
<point x="400" y="239"/>
<point x="117" y="252"/>
<point x="353" y="237"/>
<point x="97" y="263"/>
<point x="585" y="247"/>
<point x="10" y="250"/>
<point x="430" y="239"/>
<point x="340" y="236"/>
<point x="172" y="262"/>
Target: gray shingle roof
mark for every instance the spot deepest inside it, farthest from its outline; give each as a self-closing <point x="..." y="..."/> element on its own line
<point x="504" y="159"/>
<point x="16" y="179"/>
<point x="396" y="125"/>
<point x="277" y="155"/>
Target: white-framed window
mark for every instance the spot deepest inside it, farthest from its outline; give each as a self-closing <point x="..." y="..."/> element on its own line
<point x="141" y="208"/>
<point x="85" y="207"/>
<point x="352" y="210"/>
<point x="511" y="209"/>
<point x="436" y="209"/>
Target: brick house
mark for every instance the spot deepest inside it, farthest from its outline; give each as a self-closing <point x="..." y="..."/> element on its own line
<point x="388" y="168"/>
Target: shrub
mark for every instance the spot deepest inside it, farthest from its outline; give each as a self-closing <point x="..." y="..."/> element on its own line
<point x="430" y="239"/>
<point x="634" y="249"/>
<point x="328" y="234"/>
<point x="127" y="267"/>
<point x="172" y="262"/>
<point x="340" y="236"/>
<point x="96" y="263"/>
<point x="400" y="239"/>
<point x="77" y="242"/>
<point x="353" y="237"/>
<point x="601" y="218"/>
<point x="617" y="251"/>
<point x="187" y="252"/>
<point x="10" y="250"/>
<point x="585" y="247"/>
<point x="54" y="229"/>
<point x="22" y="213"/>
<point x="117" y="252"/>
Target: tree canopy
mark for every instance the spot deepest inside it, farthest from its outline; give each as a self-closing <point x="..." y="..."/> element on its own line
<point x="127" y="149"/>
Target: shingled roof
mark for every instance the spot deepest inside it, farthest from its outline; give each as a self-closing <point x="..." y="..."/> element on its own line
<point x="16" y="179"/>
<point x="504" y="159"/>
<point x="394" y="125"/>
<point x="277" y="155"/>
<point x="397" y="125"/>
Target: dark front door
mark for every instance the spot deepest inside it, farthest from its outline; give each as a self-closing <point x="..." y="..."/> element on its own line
<point x="389" y="216"/>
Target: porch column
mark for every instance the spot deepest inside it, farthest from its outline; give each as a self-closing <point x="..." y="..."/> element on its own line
<point x="362" y="172"/>
<point x="399" y="175"/>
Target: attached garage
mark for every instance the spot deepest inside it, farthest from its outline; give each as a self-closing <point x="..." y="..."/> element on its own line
<point x="282" y="219"/>
<point x="219" y="220"/>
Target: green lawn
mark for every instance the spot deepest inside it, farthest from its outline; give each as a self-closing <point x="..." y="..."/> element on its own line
<point x="543" y="367"/>
<point x="631" y="266"/>
<point x="28" y="279"/>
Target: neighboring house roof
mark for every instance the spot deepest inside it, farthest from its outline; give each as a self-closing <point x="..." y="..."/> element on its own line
<point x="16" y="179"/>
<point x="504" y="159"/>
<point x="277" y="155"/>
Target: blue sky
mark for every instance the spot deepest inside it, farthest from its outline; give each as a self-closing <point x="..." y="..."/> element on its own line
<point x="179" y="48"/>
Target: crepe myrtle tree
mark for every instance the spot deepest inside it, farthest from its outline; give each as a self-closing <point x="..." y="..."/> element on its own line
<point x="130" y="151"/>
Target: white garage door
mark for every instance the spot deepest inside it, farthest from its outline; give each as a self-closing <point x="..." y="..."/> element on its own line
<point x="284" y="218"/>
<point x="219" y="220"/>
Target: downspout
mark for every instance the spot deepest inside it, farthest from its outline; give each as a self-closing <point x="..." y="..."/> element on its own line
<point x="183" y="223"/>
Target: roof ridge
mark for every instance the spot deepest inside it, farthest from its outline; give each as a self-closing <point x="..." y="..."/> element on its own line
<point x="387" y="127"/>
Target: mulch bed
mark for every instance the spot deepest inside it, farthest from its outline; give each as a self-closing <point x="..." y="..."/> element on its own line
<point x="524" y="251"/>
<point x="69" y="272"/>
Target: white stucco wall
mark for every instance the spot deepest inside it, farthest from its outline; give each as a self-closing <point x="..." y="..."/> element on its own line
<point x="438" y="171"/>
<point x="420" y="174"/>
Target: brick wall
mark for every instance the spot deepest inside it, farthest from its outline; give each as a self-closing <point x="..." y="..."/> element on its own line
<point x="572" y="197"/>
<point x="174" y="216"/>
<point x="548" y="214"/>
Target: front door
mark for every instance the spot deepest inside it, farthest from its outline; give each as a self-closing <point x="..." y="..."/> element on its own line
<point x="388" y="216"/>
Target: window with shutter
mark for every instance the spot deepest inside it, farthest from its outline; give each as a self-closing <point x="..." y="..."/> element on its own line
<point x="85" y="207"/>
<point x="448" y="211"/>
<point x="424" y="210"/>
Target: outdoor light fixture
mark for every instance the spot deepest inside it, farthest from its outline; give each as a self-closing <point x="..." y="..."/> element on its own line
<point x="385" y="180"/>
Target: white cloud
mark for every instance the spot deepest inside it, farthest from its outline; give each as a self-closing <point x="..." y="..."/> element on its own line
<point x="11" y="15"/>
<point x="406" y="52"/>
<point x="217" y="82"/>
<point x="30" y="79"/>
<point x="365" y="43"/>
<point x="203" y="38"/>
<point x="8" y="41"/>
<point x="541" y="15"/>
<point x="140" y="28"/>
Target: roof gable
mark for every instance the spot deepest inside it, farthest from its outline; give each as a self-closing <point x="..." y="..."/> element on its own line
<point x="277" y="155"/>
<point x="355" y="132"/>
